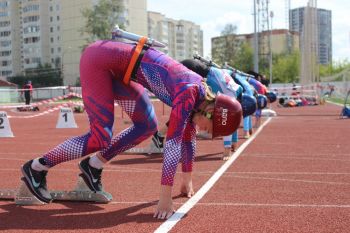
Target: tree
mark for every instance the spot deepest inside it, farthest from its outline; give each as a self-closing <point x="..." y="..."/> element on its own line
<point x="334" y="68"/>
<point x="101" y="19"/>
<point x="226" y="45"/>
<point x="244" y="58"/>
<point x="229" y="29"/>
<point x="286" y="67"/>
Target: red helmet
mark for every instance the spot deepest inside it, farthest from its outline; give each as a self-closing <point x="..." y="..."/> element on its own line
<point x="227" y="115"/>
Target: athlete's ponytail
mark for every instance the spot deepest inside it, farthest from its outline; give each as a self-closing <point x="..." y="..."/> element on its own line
<point x="209" y="95"/>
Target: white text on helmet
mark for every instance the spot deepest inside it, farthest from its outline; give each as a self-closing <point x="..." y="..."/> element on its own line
<point x="224" y="116"/>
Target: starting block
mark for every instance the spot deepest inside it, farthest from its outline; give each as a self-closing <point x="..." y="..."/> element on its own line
<point x="81" y="193"/>
<point x="7" y="194"/>
<point x="144" y="150"/>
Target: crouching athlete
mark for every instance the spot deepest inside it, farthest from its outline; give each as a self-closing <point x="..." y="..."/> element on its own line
<point x="106" y="77"/>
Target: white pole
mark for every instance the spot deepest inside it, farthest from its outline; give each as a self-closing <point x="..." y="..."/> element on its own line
<point x="270" y="62"/>
<point x="256" y="47"/>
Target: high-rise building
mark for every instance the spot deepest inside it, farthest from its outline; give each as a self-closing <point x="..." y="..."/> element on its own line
<point x="158" y="29"/>
<point x="323" y="29"/>
<point x="184" y="38"/>
<point x="34" y="32"/>
<point x="10" y="59"/>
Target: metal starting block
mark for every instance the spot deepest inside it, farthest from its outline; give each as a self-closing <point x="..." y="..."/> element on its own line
<point x="7" y="194"/>
<point x="24" y="196"/>
<point x="144" y="150"/>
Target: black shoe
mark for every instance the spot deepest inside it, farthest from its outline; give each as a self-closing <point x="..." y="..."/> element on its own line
<point x="91" y="175"/>
<point x="158" y="140"/>
<point x="36" y="182"/>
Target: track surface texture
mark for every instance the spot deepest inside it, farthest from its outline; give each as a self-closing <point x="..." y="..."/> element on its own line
<point x="293" y="176"/>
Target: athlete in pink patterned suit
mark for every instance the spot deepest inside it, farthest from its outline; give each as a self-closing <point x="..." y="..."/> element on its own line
<point x="102" y="68"/>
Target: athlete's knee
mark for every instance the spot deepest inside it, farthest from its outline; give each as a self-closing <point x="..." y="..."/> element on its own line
<point x="98" y="139"/>
<point x="146" y="120"/>
<point x="148" y="128"/>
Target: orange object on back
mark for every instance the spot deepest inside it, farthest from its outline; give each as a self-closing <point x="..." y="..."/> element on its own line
<point x="134" y="57"/>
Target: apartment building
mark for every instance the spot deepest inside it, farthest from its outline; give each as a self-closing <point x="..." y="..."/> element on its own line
<point x="134" y="18"/>
<point x="10" y="58"/>
<point x="324" y="31"/>
<point x="34" y="32"/>
<point x="184" y="38"/>
<point x="282" y="41"/>
<point x="158" y="29"/>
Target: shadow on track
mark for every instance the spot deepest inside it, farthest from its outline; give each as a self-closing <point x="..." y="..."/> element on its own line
<point x="71" y="216"/>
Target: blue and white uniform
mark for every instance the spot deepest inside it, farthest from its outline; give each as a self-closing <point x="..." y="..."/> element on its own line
<point x="241" y="79"/>
<point x="221" y="81"/>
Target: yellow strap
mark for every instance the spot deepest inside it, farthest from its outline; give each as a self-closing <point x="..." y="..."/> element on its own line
<point x="133" y="60"/>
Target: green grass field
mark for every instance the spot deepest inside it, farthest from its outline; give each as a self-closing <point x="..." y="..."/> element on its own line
<point x="335" y="100"/>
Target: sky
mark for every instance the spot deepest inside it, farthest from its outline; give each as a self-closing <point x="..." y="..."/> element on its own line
<point x="213" y="15"/>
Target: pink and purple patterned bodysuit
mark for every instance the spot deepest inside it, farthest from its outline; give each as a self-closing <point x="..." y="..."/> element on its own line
<point x="102" y="67"/>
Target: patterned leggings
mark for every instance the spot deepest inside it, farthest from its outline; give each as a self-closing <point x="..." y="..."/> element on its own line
<point x="100" y="88"/>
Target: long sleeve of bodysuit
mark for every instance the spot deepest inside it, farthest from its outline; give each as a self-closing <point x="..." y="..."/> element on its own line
<point x="188" y="147"/>
<point x="183" y="91"/>
<point x="180" y="140"/>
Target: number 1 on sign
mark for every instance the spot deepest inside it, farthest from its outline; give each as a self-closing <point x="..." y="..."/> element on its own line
<point x="65" y="116"/>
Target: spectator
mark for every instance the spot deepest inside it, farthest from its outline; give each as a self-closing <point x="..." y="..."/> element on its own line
<point x="27" y="90"/>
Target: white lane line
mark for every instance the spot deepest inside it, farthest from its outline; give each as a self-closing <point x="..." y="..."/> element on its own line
<point x="329" y="155"/>
<point x="289" y="180"/>
<point x="177" y="216"/>
<point x="242" y="204"/>
<point x="198" y="173"/>
<point x="292" y="173"/>
<point x="276" y="205"/>
<point x="296" y="158"/>
<point x="237" y="204"/>
<point x="206" y="173"/>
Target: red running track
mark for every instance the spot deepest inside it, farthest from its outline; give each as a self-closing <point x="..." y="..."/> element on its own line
<point x="293" y="177"/>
